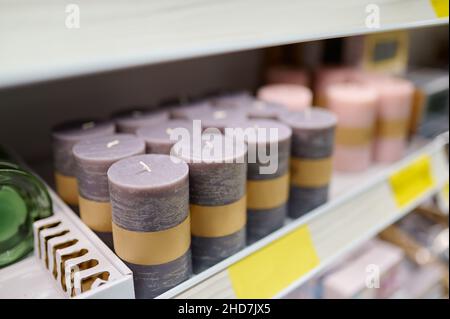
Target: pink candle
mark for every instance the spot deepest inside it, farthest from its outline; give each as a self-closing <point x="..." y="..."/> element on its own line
<point x="284" y="74"/>
<point x="355" y="106"/>
<point x="394" y="112"/>
<point x="326" y="76"/>
<point x="293" y="97"/>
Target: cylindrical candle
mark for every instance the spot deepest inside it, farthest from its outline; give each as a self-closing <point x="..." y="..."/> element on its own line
<point x="187" y="111"/>
<point x="158" y="137"/>
<point x="355" y="106"/>
<point x="269" y="144"/>
<point x="219" y="117"/>
<point x="328" y="75"/>
<point x="287" y="75"/>
<point x="394" y="112"/>
<point x="232" y="100"/>
<point x="151" y="224"/>
<point x="217" y="182"/>
<point x="131" y="120"/>
<point x="292" y="97"/>
<point x="311" y="158"/>
<point x="64" y="137"/>
<point x="93" y="158"/>
<point x="265" y="110"/>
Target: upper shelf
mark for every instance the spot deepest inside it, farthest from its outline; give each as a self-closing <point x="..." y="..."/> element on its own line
<point x="36" y="45"/>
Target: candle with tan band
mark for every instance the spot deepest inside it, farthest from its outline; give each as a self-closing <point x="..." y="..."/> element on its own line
<point x="217" y="197"/>
<point x="267" y="191"/>
<point x="355" y="105"/>
<point x="151" y="224"/>
<point x="93" y="157"/>
<point x="64" y="137"/>
<point x="311" y="158"/>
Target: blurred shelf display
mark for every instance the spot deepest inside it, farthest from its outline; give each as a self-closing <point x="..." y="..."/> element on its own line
<point x="60" y="41"/>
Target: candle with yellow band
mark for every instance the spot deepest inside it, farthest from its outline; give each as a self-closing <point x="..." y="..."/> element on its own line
<point x="151" y="223"/>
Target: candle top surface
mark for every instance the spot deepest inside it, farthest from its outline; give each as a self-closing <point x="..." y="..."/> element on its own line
<point x="162" y="131"/>
<point x="109" y="148"/>
<point x="147" y="171"/>
<point x="140" y="117"/>
<point x="211" y="148"/>
<point x="263" y="107"/>
<point x="232" y="99"/>
<point x="219" y="116"/>
<point x="267" y="135"/>
<point x="288" y="95"/>
<point x="314" y="118"/>
<point x="390" y="85"/>
<point x="190" y="108"/>
<point x="79" y="129"/>
<point x="352" y="92"/>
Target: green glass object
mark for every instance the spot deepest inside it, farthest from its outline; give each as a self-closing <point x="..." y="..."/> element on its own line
<point x="23" y="200"/>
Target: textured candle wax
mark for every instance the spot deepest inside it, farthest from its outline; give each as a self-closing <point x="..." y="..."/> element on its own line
<point x="188" y="111"/>
<point x="217" y="183"/>
<point x="130" y="121"/>
<point x="265" y="110"/>
<point x="394" y="112"/>
<point x="326" y="76"/>
<point x="311" y="163"/>
<point x="292" y="97"/>
<point x="151" y="225"/>
<point x="287" y="75"/>
<point x="267" y="190"/>
<point x="64" y="137"/>
<point x="157" y="138"/>
<point x="93" y="158"/>
<point x="355" y="106"/>
<point x="219" y="117"/>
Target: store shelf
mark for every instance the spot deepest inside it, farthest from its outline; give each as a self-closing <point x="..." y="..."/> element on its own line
<point x="36" y="45"/>
<point x="362" y="205"/>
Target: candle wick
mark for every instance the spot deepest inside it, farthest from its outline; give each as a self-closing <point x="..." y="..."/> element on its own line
<point x="145" y="166"/>
<point x="219" y="115"/>
<point x="87" y="125"/>
<point x="113" y="143"/>
<point x="169" y="131"/>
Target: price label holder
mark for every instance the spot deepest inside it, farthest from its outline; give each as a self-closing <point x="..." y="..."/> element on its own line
<point x="411" y="181"/>
<point x="443" y="198"/>
<point x="273" y="268"/>
<point x="440" y="8"/>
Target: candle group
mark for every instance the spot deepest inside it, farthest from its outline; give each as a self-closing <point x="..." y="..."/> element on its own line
<point x="64" y="137"/>
<point x="93" y="157"/>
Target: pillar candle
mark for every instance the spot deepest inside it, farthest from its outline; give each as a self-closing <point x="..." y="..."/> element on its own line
<point x="93" y="158"/>
<point x="158" y="137"/>
<point x="311" y="158"/>
<point x="292" y="97"/>
<point x="219" y="117"/>
<point x="265" y="110"/>
<point x="217" y="182"/>
<point x="64" y="137"/>
<point x="355" y="106"/>
<point x="287" y="75"/>
<point x="187" y="111"/>
<point x="393" y="116"/>
<point x="131" y="120"/>
<point x="328" y="75"/>
<point x="151" y="224"/>
<point x="267" y="190"/>
<point x="236" y="100"/>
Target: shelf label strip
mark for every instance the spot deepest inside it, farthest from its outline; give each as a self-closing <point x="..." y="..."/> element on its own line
<point x="440" y="8"/>
<point x="273" y="268"/>
<point x="412" y="180"/>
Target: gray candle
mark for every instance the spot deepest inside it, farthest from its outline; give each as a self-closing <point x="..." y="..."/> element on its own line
<point x="217" y="173"/>
<point x="190" y="110"/>
<point x="269" y="144"/>
<point x="64" y="137"/>
<point x="311" y="158"/>
<point x="130" y="121"/>
<point x="151" y="224"/>
<point x="237" y="99"/>
<point x="158" y="138"/>
<point x="93" y="158"/>
<point x="220" y="117"/>
<point x="265" y="110"/>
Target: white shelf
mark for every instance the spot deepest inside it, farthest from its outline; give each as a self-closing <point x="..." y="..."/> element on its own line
<point x="362" y="205"/>
<point x="36" y="45"/>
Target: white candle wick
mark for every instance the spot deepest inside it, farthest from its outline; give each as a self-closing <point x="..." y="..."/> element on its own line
<point x="219" y="115"/>
<point x="145" y="166"/>
<point x="112" y="143"/>
<point x="169" y="131"/>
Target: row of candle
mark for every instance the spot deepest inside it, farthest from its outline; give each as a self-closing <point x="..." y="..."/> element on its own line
<point x="228" y="202"/>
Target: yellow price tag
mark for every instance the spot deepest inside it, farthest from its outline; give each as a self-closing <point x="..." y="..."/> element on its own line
<point x="440" y="7"/>
<point x="412" y="181"/>
<point x="445" y="194"/>
<point x="273" y="268"/>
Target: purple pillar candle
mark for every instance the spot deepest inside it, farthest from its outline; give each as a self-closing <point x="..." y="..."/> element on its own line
<point x="151" y="224"/>
<point x="269" y="145"/>
<point x="233" y="100"/>
<point x="217" y="182"/>
<point x="265" y="110"/>
<point x="160" y="138"/>
<point x="64" y="137"/>
<point x="220" y="117"/>
<point x="131" y="120"/>
<point x="93" y="158"/>
<point x="311" y="158"/>
<point x="188" y="111"/>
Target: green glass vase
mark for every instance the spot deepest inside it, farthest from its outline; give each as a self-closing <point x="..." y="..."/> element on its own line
<point x="23" y="200"/>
